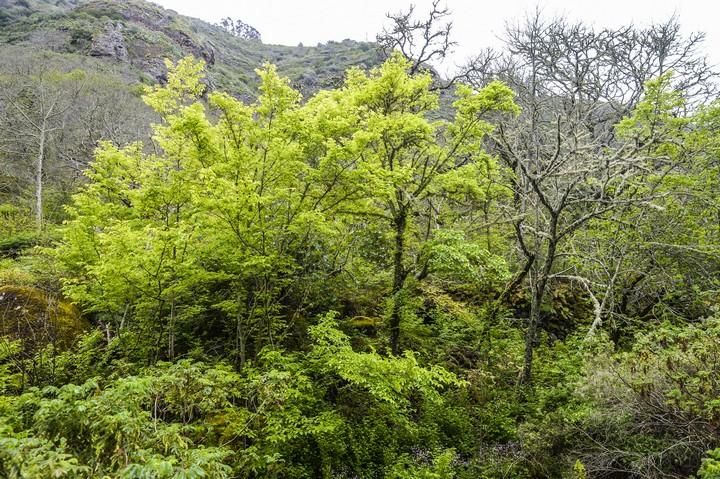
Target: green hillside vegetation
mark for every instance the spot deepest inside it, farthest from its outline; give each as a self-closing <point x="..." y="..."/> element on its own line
<point x="141" y="34"/>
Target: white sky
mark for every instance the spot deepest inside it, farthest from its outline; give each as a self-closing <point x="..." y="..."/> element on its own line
<point x="477" y="23"/>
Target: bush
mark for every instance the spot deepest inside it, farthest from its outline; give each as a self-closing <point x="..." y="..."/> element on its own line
<point x="656" y="405"/>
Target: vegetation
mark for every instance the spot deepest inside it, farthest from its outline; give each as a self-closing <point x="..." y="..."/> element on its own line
<point x="508" y="274"/>
<point x="137" y="35"/>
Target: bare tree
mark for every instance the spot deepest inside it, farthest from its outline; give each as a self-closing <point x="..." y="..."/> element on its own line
<point x="426" y="42"/>
<point x="574" y="84"/>
<point x="420" y="41"/>
<point x="38" y="107"/>
<point x="52" y="114"/>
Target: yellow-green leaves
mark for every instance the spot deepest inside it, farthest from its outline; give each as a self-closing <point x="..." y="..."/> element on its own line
<point x="252" y="195"/>
<point x="277" y="96"/>
<point x="392" y="380"/>
<point x="655" y="117"/>
<point x="391" y="89"/>
<point x="472" y="107"/>
<point x="184" y="85"/>
<point x="495" y="97"/>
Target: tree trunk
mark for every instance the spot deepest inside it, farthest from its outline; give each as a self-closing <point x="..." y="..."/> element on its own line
<point x="399" y="275"/>
<point x="171" y="331"/>
<point x="39" y="180"/>
<point x="240" y="340"/>
<point x="538" y="292"/>
<point x="531" y="334"/>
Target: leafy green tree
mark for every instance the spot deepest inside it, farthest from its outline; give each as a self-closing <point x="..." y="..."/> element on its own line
<point x="254" y="198"/>
<point x="405" y="167"/>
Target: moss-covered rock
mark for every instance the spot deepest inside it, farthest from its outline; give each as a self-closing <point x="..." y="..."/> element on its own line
<point x="38" y="318"/>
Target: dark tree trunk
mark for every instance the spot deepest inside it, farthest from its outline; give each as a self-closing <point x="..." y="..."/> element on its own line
<point x="399" y="275"/>
<point x="531" y="334"/>
<point x="538" y="293"/>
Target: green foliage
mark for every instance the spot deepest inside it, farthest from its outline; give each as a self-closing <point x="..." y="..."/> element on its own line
<point x="391" y="380"/>
<point x="260" y="194"/>
<point x="461" y="265"/>
<point x="579" y="470"/>
<point x="136" y="426"/>
<point x="440" y="468"/>
<point x="656" y="116"/>
<point x="323" y="285"/>
<point x="188" y="419"/>
<point x="710" y="468"/>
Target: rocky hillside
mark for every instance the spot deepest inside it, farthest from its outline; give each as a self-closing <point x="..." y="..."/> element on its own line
<point x="137" y="35"/>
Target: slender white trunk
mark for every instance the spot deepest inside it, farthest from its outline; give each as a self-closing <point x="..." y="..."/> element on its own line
<point x="39" y="179"/>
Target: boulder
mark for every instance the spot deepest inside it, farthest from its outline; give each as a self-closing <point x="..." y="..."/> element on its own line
<point x="38" y="318"/>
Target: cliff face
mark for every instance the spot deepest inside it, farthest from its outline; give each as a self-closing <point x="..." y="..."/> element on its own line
<point x="110" y="43"/>
<point x="140" y="34"/>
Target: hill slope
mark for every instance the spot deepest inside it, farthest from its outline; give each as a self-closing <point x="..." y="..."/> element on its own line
<point x="138" y="34"/>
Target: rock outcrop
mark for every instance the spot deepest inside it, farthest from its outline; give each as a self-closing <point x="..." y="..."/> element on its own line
<point x="110" y="43"/>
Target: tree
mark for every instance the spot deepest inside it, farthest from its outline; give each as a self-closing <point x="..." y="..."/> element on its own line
<point x="665" y="268"/>
<point x="37" y="108"/>
<point x="131" y="241"/>
<point x="403" y="165"/>
<point x="259" y="198"/>
<point x="228" y="206"/>
<point x="425" y="42"/>
<point x="240" y="29"/>
<point x="53" y="113"/>
<point x="420" y="41"/>
<point x="570" y="165"/>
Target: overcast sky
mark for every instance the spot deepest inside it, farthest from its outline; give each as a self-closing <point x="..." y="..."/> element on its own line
<point x="477" y="23"/>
